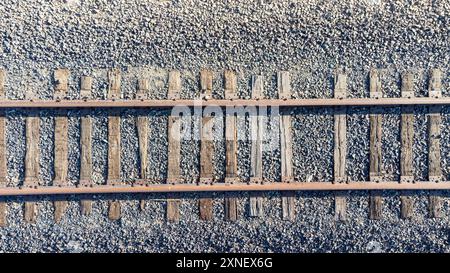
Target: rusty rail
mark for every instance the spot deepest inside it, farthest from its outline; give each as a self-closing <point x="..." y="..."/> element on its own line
<point x="214" y="102"/>
<point x="223" y="187"/>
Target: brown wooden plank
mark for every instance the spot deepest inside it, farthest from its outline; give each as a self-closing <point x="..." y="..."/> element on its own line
<point x="32" y="152"/>
<point x="173" y="209"/>
<point x="3" y="214"/>
<point x="256" y="204"/>
<point x="114" y="79"/>
<point x="406" y="154"/>
<point x="407" y="206"/>
<point x="174" y="149"/>
<point x="340" y="84"/>
<point x="206" y="84"/>
<point x="256" y="134"/>
<point x="434" y="153"/>
<point x="284" y="85"/>
<point x="340" y="206"/>
<point x="288" y="205"/>
<point x="206" y="209"/>
<point x="85" y="87"/>
<point x="114" y="161"/>
<point x="86" y="160"/>
<point x="407" y="141"/>
<point x="174" y="85"/>
<point x="2" y="83"/>
<point x="143" y="88"/>
<point x="86" y="150"/>
<point x="86" y="139"/>
<point x="61" y="78"/>
<point x="114" y="149"/>
<point x="86" y="207"/>
<point x="287" y="174"/>
<point x="435" y="206"/>
<point x="375" y="206"/>
<point x="206" y="146"/>
<point x="231" y="209"/>
<point x="406" y="159"/>
<point x="61" y="161"/>
<point x="375" y="90"/>
<point x="340" y="146"/>
<point x="31" y="164"/>
<point x="407" y="90"/>
<point x="30" y="212"/>
<point x="434" y="158"/>
<point x="257" y="87"/>
<point x="114" y="211"/>
<point x="230" y="81"/>
<point x="231" y="149"/>
<point x="375" y="165"/>
<point x="206" y="151"/>
<point x="61" y="149"/>
<point x="143" y="131"/>
<point x="60" y="209"/>
<point x="375" y="168"/>
<point x="142" y="204"/>
<point x="434" y="88"/>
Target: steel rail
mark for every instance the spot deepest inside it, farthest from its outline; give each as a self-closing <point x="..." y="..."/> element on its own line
<point x="223" y="103"/>
<point x="222" y="187"/>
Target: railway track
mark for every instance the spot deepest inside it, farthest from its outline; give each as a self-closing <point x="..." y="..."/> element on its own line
<point x="206" y="182"/>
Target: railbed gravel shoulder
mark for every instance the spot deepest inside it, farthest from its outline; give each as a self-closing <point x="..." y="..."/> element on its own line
<point x="148" y="38"/>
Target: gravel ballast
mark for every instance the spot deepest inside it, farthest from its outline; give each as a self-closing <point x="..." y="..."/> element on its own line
<point x="149" y="37"/>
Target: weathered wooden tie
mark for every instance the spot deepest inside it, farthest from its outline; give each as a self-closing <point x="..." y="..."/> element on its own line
<point x="114" y="143"/>
<point x="61" y="77"/>
<point x="256" y="134"/>
<point x="114" y="81"/>
<point x="174" y="148"/>
<point x="231" y="149"/>
<point x="206" y="147"/>
<point x="86" y="145"/>
<point x="406" y="153"/>
<point x="143" y="131"/>
<point x="340" y="146"/>
<point x="287" y="175"/>
<point x="143" y="88"/>
<point x="31" y="164"/>
<point x="434" y="153"/>
<point x="2" y="83"/>
<point x="206" y="84"/>
<point x="375" y="167"/>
